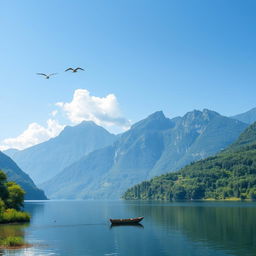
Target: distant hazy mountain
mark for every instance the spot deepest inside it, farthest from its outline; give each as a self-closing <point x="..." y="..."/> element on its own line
<point x="45" y="160"/>
<point x="153" y="146"/>
<point x="14" y="173"/>
<point x="248" y="117"/>
<point x="11" y="151"/>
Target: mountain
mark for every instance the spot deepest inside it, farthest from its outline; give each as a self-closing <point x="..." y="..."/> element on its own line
<point x="229" y="174"/>
<point x="248" y="117"/>
<point x="45" y="160"/>
<point x="151" y="147"/>
<point x="196" y="136"/>
<point x="247" y="138"/>
<point x="11" y="151"/>
<point x="14" y="173"/>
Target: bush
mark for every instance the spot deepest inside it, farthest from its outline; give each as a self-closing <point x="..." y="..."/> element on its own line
<point x="11" y="215"/>
<point x="12" y="241"/>
<point x="15" y="196"/>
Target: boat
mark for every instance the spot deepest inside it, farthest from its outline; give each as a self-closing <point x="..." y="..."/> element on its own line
<point x="126" y="221"/>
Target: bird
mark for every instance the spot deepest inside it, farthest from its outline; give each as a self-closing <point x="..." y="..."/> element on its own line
<point x="74" y="70"/>
<point x="46" y="76"/>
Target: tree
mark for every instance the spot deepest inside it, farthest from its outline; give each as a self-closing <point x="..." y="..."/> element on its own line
<point x="253" y="194"/>
<point x="3" y="187"/>
<point x="197" y="192"/>
<point x="179" y="192"/>
<point x="3" y="177"/>
<point x="15" y="196"/>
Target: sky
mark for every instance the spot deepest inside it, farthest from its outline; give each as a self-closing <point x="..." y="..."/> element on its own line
<point x="139" y="57"/>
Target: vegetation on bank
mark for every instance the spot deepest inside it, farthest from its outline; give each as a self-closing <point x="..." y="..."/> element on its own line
<point x="11" y="201"/>
<point x="12" y="242"/>
<point x="230" y="174"/>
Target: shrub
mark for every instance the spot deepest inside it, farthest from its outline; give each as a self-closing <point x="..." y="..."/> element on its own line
<point x="11" y="215"/>
<point x="12" y="241"/>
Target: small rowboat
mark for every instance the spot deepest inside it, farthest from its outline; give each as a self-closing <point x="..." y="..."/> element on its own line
<point x="126" y="221"/>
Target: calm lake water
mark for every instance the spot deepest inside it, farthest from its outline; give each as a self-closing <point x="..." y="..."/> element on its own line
<point x="72" y="228"/>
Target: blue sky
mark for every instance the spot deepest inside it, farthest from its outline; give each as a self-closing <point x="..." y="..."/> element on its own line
<point x="174" y="56"/>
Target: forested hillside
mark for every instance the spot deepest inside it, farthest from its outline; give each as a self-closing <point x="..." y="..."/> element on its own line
<point x="230" y="174"/>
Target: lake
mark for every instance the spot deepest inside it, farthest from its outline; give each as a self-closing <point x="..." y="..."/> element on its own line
<point x="72" y="228"/>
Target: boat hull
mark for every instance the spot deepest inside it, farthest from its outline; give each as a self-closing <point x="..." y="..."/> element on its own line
<point x="126" y="221"/>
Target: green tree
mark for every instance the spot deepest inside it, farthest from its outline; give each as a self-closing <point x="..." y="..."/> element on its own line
<point x="3" y="187"/>
<point x="253" y="194"/>
<point x="15" y="196"/>
<point x="197" y="192"/>
<point x="179" y="192"/>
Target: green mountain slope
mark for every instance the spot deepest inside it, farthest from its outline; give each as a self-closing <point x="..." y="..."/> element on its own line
<point x="45" y="160"/>
<point x="151" y="147"/>
<point x="231" y="173"/>
<point x="14" y="173"/>
<point x="248" y="137"/>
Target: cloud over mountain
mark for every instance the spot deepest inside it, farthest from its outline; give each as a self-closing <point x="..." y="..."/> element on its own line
<point x="34" y="134"/>
<point x="103" y="111"/>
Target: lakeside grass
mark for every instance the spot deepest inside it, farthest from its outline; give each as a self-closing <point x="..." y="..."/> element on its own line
<point x="233" y="199"/>
<point x="13" y="242"/>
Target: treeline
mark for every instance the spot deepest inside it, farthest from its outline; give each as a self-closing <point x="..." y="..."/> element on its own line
<point x="11" y="201"/>
<point x="230" y="174"/>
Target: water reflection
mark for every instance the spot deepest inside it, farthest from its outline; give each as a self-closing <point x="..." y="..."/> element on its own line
<point x="227" y="226"/>
<point x="11" y="230"/>
<point x="136" y="225"/>
<point x="82" y="228"/>
<point x="35" y="208"/>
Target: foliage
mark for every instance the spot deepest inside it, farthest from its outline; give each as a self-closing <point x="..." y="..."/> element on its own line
<point x="230" y="174"/>
<point x="2" y="206"/>
<point x="12" y="241"/>
<point x="12" y="215"/>
<point x="11" y="201"/>
<point x="15" y="196"/>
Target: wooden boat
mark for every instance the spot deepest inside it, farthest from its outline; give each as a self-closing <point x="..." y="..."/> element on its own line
<point x="126" y="221"/>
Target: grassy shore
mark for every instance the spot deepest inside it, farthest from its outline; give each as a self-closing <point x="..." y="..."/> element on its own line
<point x="13" y="242"/>
<point x="232" y="199"/>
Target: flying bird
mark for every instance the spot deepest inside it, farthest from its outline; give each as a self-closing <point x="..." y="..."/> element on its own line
<point x="46" y="76"/>
<point x="74" y="70"/>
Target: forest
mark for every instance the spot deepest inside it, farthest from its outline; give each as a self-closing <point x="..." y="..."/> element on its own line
<point x="231" y="174"/>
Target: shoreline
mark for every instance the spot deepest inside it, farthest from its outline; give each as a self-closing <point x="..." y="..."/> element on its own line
<point x="195" y="200"/>
<point x="15" y="247"/>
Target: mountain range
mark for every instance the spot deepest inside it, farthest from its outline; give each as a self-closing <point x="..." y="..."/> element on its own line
<point x="45" y="160"/>
<point x="229" y="174"/>
<point x="86" y="161"/>
<point x="14" y="173"/>
<point x="153" y="146"/>
<point x="248" y="117"/>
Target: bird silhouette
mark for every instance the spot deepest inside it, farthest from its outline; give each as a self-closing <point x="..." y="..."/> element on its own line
<point x="46" y="76"/>
<point x="74" y="70"/>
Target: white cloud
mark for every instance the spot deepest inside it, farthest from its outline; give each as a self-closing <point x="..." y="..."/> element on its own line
<point x="103" y="111"/>
<point x="54" y="113"/>
<point x="33" y="135"/>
